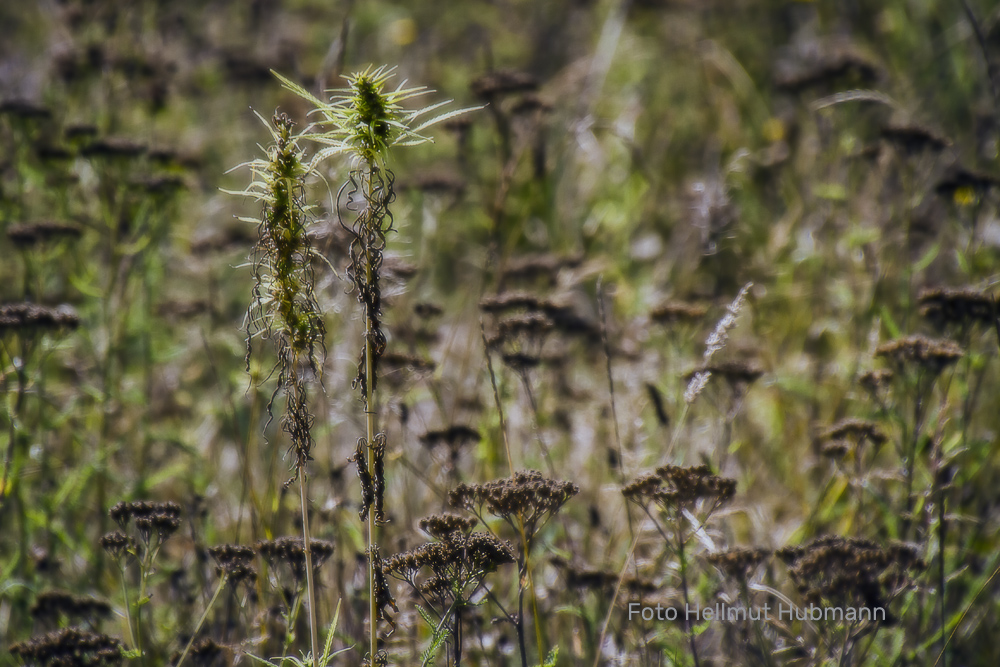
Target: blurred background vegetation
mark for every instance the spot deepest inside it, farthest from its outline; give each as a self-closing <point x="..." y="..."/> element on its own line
<point x="634" y="166"/>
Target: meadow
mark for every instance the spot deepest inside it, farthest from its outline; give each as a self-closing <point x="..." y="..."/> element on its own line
<point x="631" y="332"/>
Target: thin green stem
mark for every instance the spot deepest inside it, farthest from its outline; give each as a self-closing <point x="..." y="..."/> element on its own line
<point x="128" y="611"/>
<point x="496" y="397"/>
<point x="204" y="615"/>
<point x="310" y="590"/>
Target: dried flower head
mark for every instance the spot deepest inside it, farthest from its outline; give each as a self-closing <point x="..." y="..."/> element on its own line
<point x="506" y="301"/>
<point x="963" y="184"/>
<point x="458" y="564"/>
<point x="444" y="526"/>
<point x="527" y="497"/>
<point x="914" y="138"/>
<point x="24" y="109"/>
<point x="876" y="381"/>
<point x="582" y="576"/>
<point x="674" y="487"/>
<point x="962" y="306"/>
<point x="521" y="362"/>
<point x="927" y="353"/>
<point x="503" y="82"/>
<point x="856" y="432"/>
<point x="850" y="571"/>
<point x="205" y="652"/>
<point x="835" y="449"/>
<point x="839" y="63"/>
<point x="70" y="647"/>
<point x="114" y="147"/>
<point x="234" y="561"/>
<point x="452" y="436"/>
<point x="125" y="511"/>
<point x="426" y="310"/>
<point x="50" y="606"/>
<point x="80" y="131"/>
<point x="678" y="312"/>
<point x="28" y="234"/>
<point x="438" y="183"/>
<point x="161" y="519"/>
<point x="528" y="325"/>
<point x="288" y="552"/>
<point x="161" y="525"/>
<point x="531" y="103"/>
<point x="118" y="544"/>
<point x="30" y="317"/>
<point x="736" y="372"/>
<point x="739" y="563"/>
<point x="545" y="266"/>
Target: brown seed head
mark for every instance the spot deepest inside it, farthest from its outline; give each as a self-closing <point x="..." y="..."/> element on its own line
<point x="733" y="372"/>
<point x="70" y="647"/>
<point x="454" y="436"/>
<point x="32" y="317"/>
<point x="977" y="181"/>
<point x="51" y="605"/>
<point x="678" y="312"/>
<point x="739" y="563"/>
<point x="914" y="138"/>
<point x="17" y="108"/>
<point x="28" y="234"/>
<point x="857" y="431"/>
<point x="527" y="494"/>
<point x="503" y="82"/>
<point x="289" y="552"/>
<point x="444" y="526"/>
<point x="113" y="147"/>
<point x="960" y="306"/>
<point x="118" y="544"/>
<point x="928" y="353"/>
<point x="875" y="381"/>
<point x="850" y="571"/>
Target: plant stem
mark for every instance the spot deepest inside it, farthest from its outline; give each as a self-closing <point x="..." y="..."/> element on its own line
<point x="457" y="634"/>
<point x="310" y="590"/>
<point x="128" y="611"/>
<point x="520" y="621"/>
<point x="941" y="578"/>
<point x="496" y="397"/>
<point x="204" y="615"/>
<point x="684" y="587"/>
<point x="371" y="428"/>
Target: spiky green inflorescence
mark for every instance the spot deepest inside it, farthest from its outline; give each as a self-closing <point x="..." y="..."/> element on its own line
<point x="284" y="307"/>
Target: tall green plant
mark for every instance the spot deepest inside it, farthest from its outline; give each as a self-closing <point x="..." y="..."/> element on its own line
<point x="284" y="307"/>
<point x="362" y="122"/>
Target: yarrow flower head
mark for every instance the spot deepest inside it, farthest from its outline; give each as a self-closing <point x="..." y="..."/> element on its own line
<point x="851" y="571"/>
<point x="527" y="497"/>
<point x="675" y="487"/>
